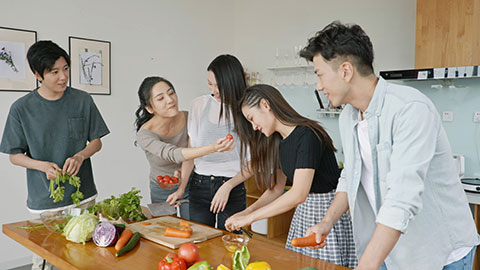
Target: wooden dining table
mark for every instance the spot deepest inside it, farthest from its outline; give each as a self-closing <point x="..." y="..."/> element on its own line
<point x="67" y="255"/>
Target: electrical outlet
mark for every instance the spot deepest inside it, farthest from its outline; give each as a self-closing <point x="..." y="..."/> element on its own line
<point x="447" y="116"/>
<point x="476" y="116"/>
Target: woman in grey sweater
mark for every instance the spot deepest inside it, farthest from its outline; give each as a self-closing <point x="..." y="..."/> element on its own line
<point x="162" y="134"/>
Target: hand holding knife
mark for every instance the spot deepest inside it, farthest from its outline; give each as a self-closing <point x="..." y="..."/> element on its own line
<point x="249" y="234"/>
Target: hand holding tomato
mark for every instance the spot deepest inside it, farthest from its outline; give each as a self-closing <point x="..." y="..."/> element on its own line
<point x="222" y="145"/>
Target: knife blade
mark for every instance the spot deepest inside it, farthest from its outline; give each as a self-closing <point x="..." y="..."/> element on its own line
<point x="164" y="208"/>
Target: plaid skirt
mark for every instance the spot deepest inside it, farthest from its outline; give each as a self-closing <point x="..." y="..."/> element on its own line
<point x="340" y="248"/>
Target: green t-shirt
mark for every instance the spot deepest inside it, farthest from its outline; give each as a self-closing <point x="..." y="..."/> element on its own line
<point x="53" y="130"/>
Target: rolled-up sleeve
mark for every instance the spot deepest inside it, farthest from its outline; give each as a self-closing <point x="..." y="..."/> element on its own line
<point x="415" y="132"/>
<point x="342" y="182"/>
<point x="13" y="139"/>
<point x="158" y="148"/>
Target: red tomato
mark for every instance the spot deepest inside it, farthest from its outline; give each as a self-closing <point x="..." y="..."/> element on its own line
<point x="159" y="178"/>
<point x="189" y="252"/>
<point x="229" y="137"/>
<point x="166" y="177"/>
<point x="175" y="179"/>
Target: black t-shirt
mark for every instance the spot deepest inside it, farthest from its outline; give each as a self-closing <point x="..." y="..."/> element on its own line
<point x="302" y="149"/>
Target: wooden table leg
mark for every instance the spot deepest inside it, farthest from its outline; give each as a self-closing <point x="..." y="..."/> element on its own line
<point x="476" y="215"/>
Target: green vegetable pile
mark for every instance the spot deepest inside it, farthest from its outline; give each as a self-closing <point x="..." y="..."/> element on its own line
<point x="58" y="192"/>
<point x="127" y="207"/>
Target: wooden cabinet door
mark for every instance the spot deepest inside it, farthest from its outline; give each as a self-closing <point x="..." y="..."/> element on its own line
<point x="447" y="33"/>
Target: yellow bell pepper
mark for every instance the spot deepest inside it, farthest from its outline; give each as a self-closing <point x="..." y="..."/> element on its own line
<point x="222" y="267"/>
<point x="259" y="265"/>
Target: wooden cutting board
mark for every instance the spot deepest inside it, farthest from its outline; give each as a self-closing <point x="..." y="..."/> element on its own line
<point x="154" y="232"/>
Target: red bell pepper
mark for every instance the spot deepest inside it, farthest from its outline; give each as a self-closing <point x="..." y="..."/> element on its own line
<point x="172" y="262"/>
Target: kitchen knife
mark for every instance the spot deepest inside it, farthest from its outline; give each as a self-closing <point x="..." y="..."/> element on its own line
<point x="164" y="208"/>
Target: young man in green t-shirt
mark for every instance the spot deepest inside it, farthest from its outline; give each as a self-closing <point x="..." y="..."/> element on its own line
<point x="53" y="128"/>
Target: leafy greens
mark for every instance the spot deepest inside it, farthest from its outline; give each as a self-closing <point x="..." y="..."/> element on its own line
<point x="127" y="206"/>
<point x="58" y="192"/>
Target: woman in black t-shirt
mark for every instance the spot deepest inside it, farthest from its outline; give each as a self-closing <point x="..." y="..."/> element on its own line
<point x="286" y="147"/>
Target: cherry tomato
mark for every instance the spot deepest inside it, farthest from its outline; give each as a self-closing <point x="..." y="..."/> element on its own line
<point x="166" y="177"/>
<point x="159" y="178"/>
<point x="229" y="136"/>
<point x="175" y="179"/>
<point x="189" y="252"/>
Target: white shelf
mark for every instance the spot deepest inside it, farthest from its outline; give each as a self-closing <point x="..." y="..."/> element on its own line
<point x="279" y="68"/>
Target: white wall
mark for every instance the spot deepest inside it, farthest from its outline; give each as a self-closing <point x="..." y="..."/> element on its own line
<point x="263" y="26"/>
<point x="177" y="39"/>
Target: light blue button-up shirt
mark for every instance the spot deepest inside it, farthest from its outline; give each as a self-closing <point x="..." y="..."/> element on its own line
<point x="417" y="189"/>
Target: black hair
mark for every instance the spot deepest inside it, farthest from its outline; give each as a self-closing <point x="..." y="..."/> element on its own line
<point x="265" y="151"/>
<point x="144" y="95"/>
<point x="43" y="54"/>
<point x="349" y="42"/>
<point x="231" y="83"/>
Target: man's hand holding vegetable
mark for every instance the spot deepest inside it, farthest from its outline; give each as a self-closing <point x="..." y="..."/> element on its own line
<point x="72" y="164"/>
<point x="50" y="169"/>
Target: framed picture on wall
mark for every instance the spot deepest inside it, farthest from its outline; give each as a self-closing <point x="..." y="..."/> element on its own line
<point x="90" y="65"/>
<point x="15" y="74"/>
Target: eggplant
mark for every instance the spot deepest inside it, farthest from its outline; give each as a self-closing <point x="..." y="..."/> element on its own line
<point x="105" y="234"/>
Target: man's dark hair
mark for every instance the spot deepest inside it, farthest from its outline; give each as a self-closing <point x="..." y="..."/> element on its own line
<point x="342" y="42"/>
<point x="43" y="54"/>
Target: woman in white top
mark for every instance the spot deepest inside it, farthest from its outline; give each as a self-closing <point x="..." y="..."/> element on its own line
<point x="162" y="134"/>
<point x="216" y="186"/>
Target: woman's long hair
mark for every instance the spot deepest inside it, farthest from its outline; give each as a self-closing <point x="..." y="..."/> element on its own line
<point x="144" y="95"/>
<point x="265" y="151"/>
<point x="231" y="83"/>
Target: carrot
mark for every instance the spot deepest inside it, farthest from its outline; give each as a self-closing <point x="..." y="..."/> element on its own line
<point x="177" y="233"/>
<point x="123" y="239"/>
<point x="183" y="223"/>
<point x="145" y="223"/>
<point x="307" y="241"/>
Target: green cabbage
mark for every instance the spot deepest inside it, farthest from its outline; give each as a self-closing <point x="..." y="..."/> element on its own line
<point x="80" y="229"/>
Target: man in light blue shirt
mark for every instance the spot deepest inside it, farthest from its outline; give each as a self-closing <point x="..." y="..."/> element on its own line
<point x="408" y="208"/>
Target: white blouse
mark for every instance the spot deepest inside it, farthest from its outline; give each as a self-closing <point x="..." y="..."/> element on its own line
<point x="204" y="127"/>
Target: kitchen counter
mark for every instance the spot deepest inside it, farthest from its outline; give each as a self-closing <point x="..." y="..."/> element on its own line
<point x="67" y="255"/>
